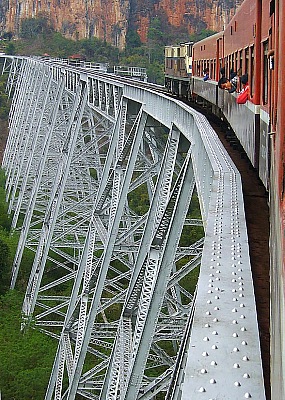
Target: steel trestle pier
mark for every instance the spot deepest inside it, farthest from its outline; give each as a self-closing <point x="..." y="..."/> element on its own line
<point x="104" y="172"/>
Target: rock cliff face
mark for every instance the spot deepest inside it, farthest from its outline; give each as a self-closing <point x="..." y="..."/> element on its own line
<point x="110" y="19"/>
<point x="193" y="15"/>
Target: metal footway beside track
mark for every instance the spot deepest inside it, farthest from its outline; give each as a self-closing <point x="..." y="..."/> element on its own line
<point x="104" y="172"/>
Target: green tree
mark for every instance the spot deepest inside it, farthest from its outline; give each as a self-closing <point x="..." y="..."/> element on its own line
<point x="32" y="27"/>
<point x="155" y="73"/>
<point x="155" y="41"/>
<point x="7" y="35"/>
<point x="133" y="41"/>
<point x="4" y="100"/>
<point x="10" y="49"/>
<point x="4" y="260"/>
<point x="134" y="60"/>
<point x="26" y="358"/>
<point x="202" y="34"/>
<point x="98" y="51"/>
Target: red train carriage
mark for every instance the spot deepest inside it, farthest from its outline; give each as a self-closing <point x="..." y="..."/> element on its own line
<point x="243" y="47"/>
<point x="241" y="51"/>
<point x="253" y="42"/>
<point x="209" y="53"/>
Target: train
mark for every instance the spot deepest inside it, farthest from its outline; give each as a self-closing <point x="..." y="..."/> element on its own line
<point x="251" y="44"/>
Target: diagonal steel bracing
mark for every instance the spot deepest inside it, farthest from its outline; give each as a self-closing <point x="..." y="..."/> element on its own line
<point x="102" y="179"/>
<point x="56" y="196"/>
<point x="153" y="266"/>
<point x="79" y="305"/>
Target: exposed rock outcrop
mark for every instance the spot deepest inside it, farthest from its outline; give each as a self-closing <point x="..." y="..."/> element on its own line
<point x="109" y="19"/>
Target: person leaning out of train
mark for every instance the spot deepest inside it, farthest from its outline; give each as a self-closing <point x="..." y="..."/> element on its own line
<point x="235" y="78"/>
<point x="206" y="74"/>
<point x="244" y="93"/>
<point x="225" y="84"/>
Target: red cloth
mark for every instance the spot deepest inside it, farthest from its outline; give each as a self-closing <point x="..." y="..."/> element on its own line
<point x="244" y="95"/>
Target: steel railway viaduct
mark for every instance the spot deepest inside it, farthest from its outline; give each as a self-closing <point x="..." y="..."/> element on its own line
<point x="101" y="176"/>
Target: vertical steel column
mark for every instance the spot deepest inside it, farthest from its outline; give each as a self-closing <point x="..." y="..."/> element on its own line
<point x="53" y="208"/>
<point x="29" y="138"/>
<point x="17" y="114"/>
<point x="32" y="151"/>
<point x="48" y="132"/>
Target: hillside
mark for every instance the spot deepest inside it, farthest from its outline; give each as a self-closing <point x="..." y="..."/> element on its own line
<point x="111" y="20"/>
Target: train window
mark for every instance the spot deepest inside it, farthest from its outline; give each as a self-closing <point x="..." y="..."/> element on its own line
<point x="231" y="30"/>
<point x="226" y="66"/>
<point x="198" y="69"/>
<point x="236" y="61"/>
<point x="235" y="26"/>
<point x="252" y="81"/>
<point x="204" y="65"/>
<point x="240" y="59"/>
<point x="246" y="59"/>
<point x="189" y="49"/>
<point x="265" y="74"/>
<point x="271" y="7"/>
<point x="233" y="62"/>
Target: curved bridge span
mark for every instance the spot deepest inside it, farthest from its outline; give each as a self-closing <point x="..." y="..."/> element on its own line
<point x="105" y="174"/>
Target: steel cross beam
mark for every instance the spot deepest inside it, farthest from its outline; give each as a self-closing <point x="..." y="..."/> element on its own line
<point x="105" y="173"/>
